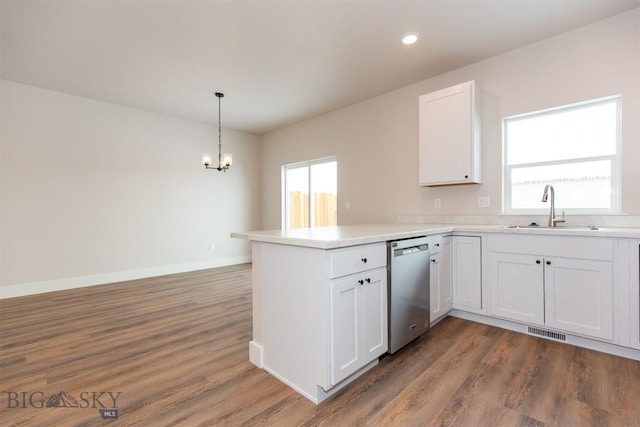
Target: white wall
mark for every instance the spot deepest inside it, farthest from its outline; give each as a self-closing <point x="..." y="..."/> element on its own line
<point x="376" y="141"/>
<point x="92" y="192"/>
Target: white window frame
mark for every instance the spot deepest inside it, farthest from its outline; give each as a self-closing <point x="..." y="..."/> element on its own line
<point x="285" y="190"/>
<point x="615" y="163"/>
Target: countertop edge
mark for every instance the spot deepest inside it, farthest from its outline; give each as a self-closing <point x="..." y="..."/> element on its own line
<point x="345" y="236"/>
<point x="387" y="232"/>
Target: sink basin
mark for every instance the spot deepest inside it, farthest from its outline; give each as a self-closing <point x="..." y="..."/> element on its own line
<point x="546" y="227"/>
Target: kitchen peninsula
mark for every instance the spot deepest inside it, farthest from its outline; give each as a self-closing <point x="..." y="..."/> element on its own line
<point x="320" y="294"/>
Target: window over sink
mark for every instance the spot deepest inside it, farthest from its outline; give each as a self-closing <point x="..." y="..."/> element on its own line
<point x="575" y="148"/>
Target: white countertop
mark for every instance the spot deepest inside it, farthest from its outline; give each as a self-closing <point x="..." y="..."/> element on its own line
<point x="350" y="235"/>
<point x="556" y="231"/>
<point x="343" y="235"/>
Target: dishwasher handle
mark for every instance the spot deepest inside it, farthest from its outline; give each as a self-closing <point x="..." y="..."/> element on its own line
<point x="410" y="250"/>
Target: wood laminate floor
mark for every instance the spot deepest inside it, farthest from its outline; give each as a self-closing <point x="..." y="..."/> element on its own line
<point x="175" y="348"/>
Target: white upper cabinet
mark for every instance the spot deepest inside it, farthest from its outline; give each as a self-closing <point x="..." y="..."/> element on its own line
<point x="449" y="148"/>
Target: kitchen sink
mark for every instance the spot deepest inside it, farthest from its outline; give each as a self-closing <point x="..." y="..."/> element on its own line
<point x="546" y="227"/>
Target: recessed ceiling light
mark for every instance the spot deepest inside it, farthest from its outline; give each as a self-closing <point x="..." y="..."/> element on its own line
<point x="410" y="38"/>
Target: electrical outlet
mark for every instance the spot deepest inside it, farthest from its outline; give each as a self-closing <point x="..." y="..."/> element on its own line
<point x="437" y="203"/>
<point x="347" y="205"/>
<point x="484" y="202"/>
<point x="212" y="246"/>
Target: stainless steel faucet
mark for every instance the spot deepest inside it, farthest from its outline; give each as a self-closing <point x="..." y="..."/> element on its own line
<point x="553" y="221"/>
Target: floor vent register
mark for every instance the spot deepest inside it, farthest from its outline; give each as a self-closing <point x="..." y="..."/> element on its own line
<point x="547" y="334"/>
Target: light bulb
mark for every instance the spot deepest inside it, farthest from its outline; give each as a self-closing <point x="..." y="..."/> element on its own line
<point x="410" y="38"/>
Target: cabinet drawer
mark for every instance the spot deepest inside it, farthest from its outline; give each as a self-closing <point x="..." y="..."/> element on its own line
<point x="347" y="261"/>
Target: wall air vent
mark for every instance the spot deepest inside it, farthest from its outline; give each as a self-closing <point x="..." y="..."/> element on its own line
<point x="547" y="334"/>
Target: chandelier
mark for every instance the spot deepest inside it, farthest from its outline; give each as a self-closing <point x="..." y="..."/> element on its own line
<point x="224" y="161"/>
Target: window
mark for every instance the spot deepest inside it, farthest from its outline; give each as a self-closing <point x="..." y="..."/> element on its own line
<point x="575" y="148"/>
<point x="310" y="194"/>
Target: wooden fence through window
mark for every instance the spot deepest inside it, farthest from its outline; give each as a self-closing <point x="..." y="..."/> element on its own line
<point x="325" y="212"/>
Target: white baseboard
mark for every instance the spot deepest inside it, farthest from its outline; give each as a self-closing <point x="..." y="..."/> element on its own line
<point x="255" y="354"/>
<point x="33" y="288"/>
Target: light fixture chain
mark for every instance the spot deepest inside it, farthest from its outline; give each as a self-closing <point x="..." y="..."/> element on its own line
<point x="227" y="159"/>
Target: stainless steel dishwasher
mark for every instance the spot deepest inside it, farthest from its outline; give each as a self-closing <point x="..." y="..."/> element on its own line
<point x="408" y="287"/>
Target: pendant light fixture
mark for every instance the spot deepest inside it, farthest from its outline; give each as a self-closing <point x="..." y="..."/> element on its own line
<point x="224" y="162"/>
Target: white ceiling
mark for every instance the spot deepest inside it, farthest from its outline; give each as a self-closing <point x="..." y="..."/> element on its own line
<point x="277" y="62"/>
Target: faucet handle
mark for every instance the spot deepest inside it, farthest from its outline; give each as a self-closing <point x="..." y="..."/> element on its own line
<point x="557" y="220"/>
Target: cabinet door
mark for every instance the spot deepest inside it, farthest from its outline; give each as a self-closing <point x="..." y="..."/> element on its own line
<point x="579" y="296"/>
<point x="345" y="323"/>
<point x="358" y="319"/>
<point x="440" y="281"/>
<point x="435" y="308"/>
<point x="467" y="272"/>
<point x="634" y="308"/>
<point x="517" y="287"/>
<point x="374" y="315"/>
<point x="449" y="137"/>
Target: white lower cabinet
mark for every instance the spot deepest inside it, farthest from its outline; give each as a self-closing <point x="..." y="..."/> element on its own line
<point x="358" y="317"/>
<point x="579" y="296"/>
<point x="634" y="294"/>
<point x="568" y="293"/>
<point x="441" y="289"/>
<point x="466" y="254"/>
<point x="320" y="315"/>
<point x="517" y="288"/>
